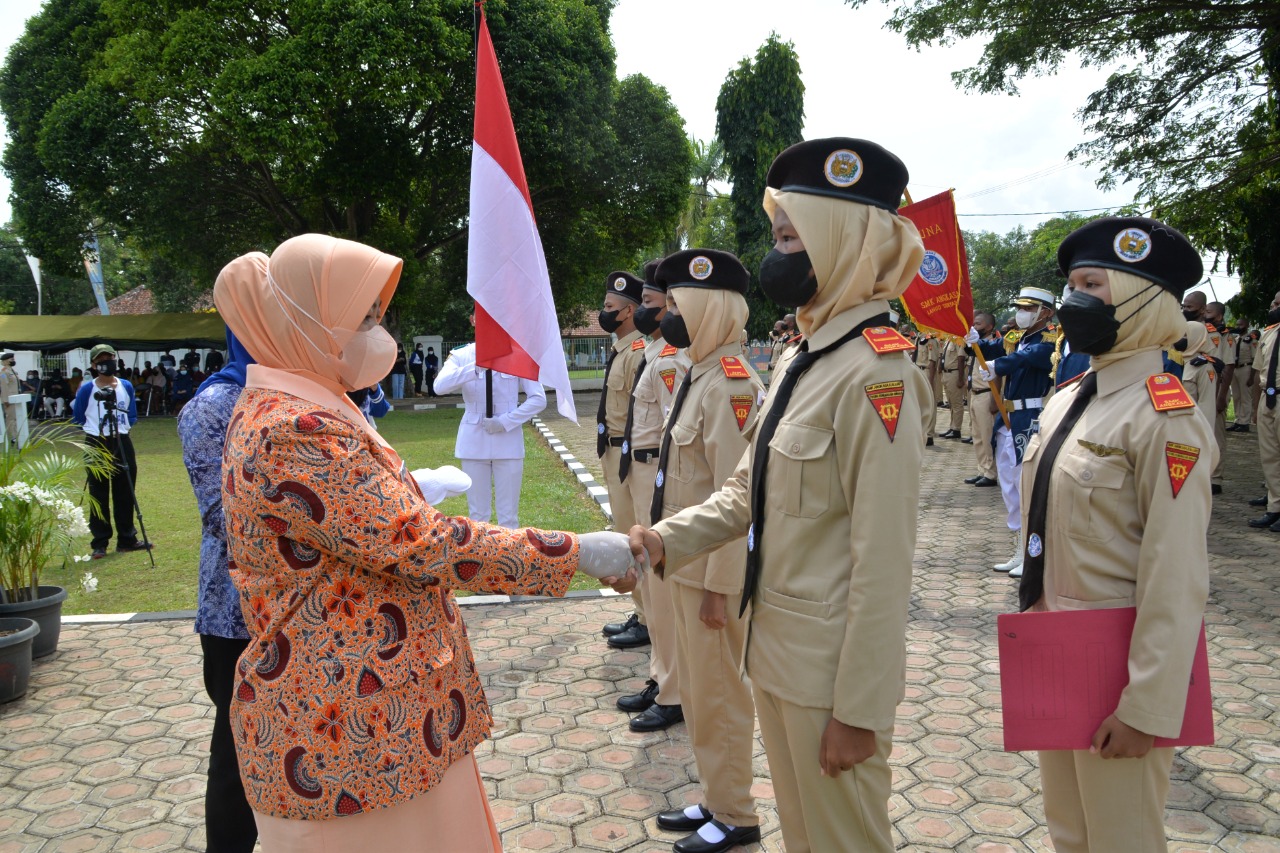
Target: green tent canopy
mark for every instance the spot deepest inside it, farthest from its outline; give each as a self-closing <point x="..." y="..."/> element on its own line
<point x="133" y="332"/>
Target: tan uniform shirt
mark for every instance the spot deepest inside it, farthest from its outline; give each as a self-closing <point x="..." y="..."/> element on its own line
<point x="1244" y="343"/>
<point x="621" y="377"/>
<point x="830" y="611"/>
<point x="951" y="357"/>
<point x="1262" y="355"/>
<point x="9" y="384"/>
<point x="1127" y="522"/>
<point x="708" y="439"/>
<point x="1201" y="382"/>
<point x="655" y="392"/>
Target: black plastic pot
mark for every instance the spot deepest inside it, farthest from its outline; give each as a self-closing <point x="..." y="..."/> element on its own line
<point x="47" y="613"/>
<point x="15" y="656"/>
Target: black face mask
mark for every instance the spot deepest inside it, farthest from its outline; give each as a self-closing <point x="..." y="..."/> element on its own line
<point x="609" y="320"/>
<point x="1089" y="323"/>
<point x="107" y="368"/>
<point x="1273" y="316"/>
<point x="674" y="331"/>
<point x="1190" y="315"/>
<point x="647" y="320"/>
<point x="1181" y="346"/>
<point x="788" y="279"/>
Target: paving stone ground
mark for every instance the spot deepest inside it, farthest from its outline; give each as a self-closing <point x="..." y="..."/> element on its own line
<point x="108" y="749"/>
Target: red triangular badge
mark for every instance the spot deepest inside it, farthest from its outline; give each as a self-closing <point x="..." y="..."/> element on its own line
<point x="886" y="399"/>
<point x="1181" y="458"/>
<point x="669" y="379"/>
<point x="741" y="408"/>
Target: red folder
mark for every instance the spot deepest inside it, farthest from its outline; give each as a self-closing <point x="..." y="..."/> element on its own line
<point x="1062" y="673"/>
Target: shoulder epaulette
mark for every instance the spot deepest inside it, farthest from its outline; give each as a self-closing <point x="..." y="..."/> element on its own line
<point x="1168" y="394"/>
<point x="638" y="343"/>
<point x="734" y="368"/>
<point x="884" y="339"/>
<point x="667" y="351"/>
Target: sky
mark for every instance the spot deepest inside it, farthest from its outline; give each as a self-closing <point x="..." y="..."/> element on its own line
<point x="860" y="80"/>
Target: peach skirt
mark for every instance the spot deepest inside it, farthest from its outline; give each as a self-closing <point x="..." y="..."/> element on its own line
<point x="452" y="817"/>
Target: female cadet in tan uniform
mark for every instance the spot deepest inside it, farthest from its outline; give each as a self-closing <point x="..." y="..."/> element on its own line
<point x="707" y="431"/>
<point x="1198" y="374"/>
<point x="1122" y="521"/>
<point x="827" y="495"/>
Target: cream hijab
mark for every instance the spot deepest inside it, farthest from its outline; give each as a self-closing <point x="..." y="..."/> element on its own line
<point x="713" y="317"/>
<point x="1151" y="321"/>
<point x="860" y="253"/>
<point x="1197" y="338"/>
<point x="295" y="319"/>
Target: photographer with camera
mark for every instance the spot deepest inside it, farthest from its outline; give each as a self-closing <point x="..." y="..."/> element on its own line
<point x="106" y="409"/>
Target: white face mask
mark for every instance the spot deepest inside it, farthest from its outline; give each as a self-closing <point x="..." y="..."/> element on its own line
<point x="1026" y="317"/>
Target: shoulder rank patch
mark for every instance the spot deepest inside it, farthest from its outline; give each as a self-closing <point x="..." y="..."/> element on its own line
<point x="1168" y="394"/>
<point x="1181" y="458"/>
<point x="733" y="367"/>
<point x="638" y="343"/>
<point x="669" y="379"/>
<point x="886" y="399"/>
<point x="668" y="351"/>
<point x="884" y="339"/>
<point x="741" y="404"/>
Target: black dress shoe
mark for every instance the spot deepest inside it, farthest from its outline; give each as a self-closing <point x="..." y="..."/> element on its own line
<point x="632" y="638"/>
<point x="1262" y="501"/>
<point x="951" y="433"/>
<point x="732" y="838"/>
<point x="928" y="442"/>
<point x="1238" y="428"/>
<point x="678" y="821"/>
<point x="634" y="703"/>
<point x="970" y="481"/>
<point x="614" y="628"/>
<point x="1266" y="520"/>
<point x="657" y="718"/>
<point x="966" y="441"/>
<point x="1215" y="489"/>
<point x="984" y="482"/>
<point x="1275" y="528"/>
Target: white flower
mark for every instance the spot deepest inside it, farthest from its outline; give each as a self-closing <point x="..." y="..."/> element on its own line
<point x="81" y="558"/>
<point x="88" y="581"/>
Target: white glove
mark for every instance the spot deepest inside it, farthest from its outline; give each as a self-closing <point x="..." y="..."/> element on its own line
<point x="493" y="426"/>
<point x="986" y="375"/>
<point x="973" y="337"/>
<point x="605" y="555"/>
<point x="437" y="484"/>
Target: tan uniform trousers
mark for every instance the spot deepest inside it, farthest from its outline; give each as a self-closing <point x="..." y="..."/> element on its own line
<point x="11" y="422"/>
<point x="935" y="383"/>
<point x="1099" y="805"/>
<point x="1269" y="452"/>
<point x="981" y="422"/>
<point x="933" y="407"/>
<point x="623" y="509"/>
<point x="817" y="813"/>
<point x="717" y="707"/>
<point x="655" y="594"/>
<point x="1242" y="396"/>
<point x="955" y="398"/>
<point x="1219" y="436"/>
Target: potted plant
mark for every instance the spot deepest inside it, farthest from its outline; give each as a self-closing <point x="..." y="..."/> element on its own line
<point x="40" y="521"/>
<point x="16" y="638"/>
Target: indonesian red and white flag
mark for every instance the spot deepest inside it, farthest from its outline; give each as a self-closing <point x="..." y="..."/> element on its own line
<point x="516" y="327"/>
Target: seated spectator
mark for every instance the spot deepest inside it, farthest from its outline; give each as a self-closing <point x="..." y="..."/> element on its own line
<point x="184" y="387"/>
<point x="57" y="396"/>
<point x="31" y="385"/>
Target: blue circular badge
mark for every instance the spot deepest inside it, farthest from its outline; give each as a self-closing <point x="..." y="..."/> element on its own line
<point x="658" y="482"/>
<point x="600" y="428"/>
<point x="626" y="447"/>
<point x="751" y="538"/>
<point x="1035" y="546"/>
<point x="933" y="269"/>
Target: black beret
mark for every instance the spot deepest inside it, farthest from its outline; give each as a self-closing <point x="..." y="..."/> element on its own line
<point x="5" y="356"/>
<point x="650" y="269"/>
<point x="709" y="268"/>
<point x="624" y="284"/>
<point x="1134" y="244"/>
<point x="840" y="167"/>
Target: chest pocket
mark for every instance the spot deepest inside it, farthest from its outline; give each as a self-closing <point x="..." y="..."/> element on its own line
<point x="681" y="464"/>
<point x="620" y="376"/>
<point x="800" y="470"/>
<point x="1093" y="486"/>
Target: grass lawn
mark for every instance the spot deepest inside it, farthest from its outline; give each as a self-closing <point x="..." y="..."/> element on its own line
<point x="551" y="499"/>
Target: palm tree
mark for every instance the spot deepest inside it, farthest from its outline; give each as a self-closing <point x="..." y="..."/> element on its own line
<point x="708" y="167"/>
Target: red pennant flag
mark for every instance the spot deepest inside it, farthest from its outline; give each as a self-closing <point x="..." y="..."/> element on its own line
<point x="940" y="298"/>
<point x="517" y="331"/>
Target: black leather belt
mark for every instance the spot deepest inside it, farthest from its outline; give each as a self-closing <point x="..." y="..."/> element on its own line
<point x="648" y="454"/>
<point x="979" y="390"/>
<point x="616" y="442"/>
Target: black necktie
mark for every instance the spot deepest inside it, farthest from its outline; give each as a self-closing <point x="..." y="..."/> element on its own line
<point x="660" y="484"/>
<point x="760" y="455"/>
<point x="1032" y="585"/>
<point x="624" y="465"/>
<point x="1270" y="390"/>
<point x="602" y="434"/>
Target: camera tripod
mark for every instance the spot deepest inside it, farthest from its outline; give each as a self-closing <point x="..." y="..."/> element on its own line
<point x="109" y="412"/>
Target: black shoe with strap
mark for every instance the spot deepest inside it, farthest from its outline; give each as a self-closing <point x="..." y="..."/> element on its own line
<point x="634" y="703"/>
<point x="678" y="820"/>
<point x="733" y="837"/>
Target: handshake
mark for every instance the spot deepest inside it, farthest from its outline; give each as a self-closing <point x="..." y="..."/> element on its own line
<point x="616" y="558"/>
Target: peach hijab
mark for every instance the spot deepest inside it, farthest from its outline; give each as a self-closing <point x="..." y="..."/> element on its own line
<point x="296" y="319"/>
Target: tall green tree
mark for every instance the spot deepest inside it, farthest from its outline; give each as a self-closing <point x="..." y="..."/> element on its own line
<point x="1002" y="264"/>
<point x="1187" y="112"/>
<point x="206" y="129"/>
<point x="760" y="111"/>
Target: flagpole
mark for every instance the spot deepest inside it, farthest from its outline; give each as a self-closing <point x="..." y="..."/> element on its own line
<point x="476" y="15"/>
